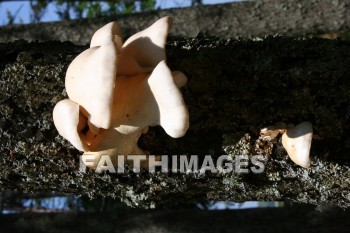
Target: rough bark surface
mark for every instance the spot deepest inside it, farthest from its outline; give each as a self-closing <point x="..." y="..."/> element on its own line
<point x="244" y="19"/>
<point x="235" y="88"/>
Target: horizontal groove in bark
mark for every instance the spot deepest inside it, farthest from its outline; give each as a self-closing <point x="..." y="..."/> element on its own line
<point x="235" y="88"/>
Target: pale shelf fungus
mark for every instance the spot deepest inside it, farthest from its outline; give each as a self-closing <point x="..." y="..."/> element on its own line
<point x="117" y="90"/>
<point x="296" y="140"/>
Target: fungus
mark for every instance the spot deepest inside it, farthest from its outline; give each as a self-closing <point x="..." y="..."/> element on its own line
<point x="116" y="91"/>
<point x="70" y="123"/>
<point x="271" y="132"/>
<point x="296" y="140"/>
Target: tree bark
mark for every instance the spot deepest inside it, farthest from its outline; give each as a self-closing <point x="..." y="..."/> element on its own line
<point x="235" y="88"/>
<point x="239" y="19"/>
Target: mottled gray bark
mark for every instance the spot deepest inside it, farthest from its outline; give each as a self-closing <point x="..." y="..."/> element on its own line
<point x="244" y="19"/>
<point x="235" y="88"/>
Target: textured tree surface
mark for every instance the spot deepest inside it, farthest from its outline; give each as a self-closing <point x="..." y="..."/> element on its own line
<point x="244" y="19"/>
<point x="235" y="88"/>
<point x="289" y="219"/>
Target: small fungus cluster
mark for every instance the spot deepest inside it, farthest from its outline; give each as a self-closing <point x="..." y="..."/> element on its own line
<point x="117" y="90"/>
<point x="295" y="139"/>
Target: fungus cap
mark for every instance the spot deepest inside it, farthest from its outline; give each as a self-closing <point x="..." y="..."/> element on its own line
<point x="90" y="82"/>
<point x="173" y="113"/>
<point x="69" y="122"/>
<point x="297" y="142"/>
<point x="110" y="33"/>
<point x="152" y="41"/>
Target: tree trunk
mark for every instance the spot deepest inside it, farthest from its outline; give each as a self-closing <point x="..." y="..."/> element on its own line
<point x="235" y="88"/>
<point x="238" y="19"/>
